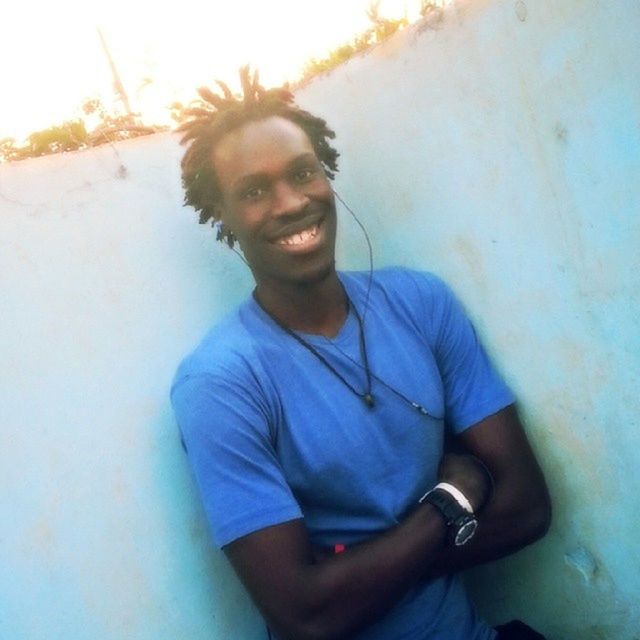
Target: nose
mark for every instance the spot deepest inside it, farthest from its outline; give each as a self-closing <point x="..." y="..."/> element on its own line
<point x="287" y="199"/>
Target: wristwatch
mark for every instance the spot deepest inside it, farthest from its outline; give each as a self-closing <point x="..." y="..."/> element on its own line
<point x="462" y="523"/>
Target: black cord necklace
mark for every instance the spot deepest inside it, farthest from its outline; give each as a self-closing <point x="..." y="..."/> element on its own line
<point x="366" y="396"/>
<point x="417" y="406"/>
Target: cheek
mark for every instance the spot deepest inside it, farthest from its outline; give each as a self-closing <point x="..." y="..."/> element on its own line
<point x="325" y="193"/>
<point x="230" y="217"/>
<point x="242" y="221"/>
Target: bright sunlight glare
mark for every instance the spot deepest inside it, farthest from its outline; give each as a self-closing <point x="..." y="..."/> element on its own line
<point x="52" y="59"/>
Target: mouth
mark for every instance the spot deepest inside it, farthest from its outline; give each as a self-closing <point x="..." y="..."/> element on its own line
<point x="300" y="238"/>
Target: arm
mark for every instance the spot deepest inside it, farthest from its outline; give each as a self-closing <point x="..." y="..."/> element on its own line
<point x="302" y="599"/>
<point x="519" y="511"/>
<point x="241" y="484"/>
<point x="333" y="598"/>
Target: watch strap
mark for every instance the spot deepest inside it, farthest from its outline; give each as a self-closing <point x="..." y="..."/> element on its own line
<point x="460" y="522"/>
<point x="459" y="497"/>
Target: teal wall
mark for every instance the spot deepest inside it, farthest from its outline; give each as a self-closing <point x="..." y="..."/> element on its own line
<point x="497" y="144"/>
<point x="106" y="282"/>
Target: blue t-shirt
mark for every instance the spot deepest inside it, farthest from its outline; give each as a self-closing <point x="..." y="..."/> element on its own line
<point x="273" y="435"/>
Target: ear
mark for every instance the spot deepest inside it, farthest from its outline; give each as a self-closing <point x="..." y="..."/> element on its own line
<point x="223" y="232"/>
<point x="219" y="211"/>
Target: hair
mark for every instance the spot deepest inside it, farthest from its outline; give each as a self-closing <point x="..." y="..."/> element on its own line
<point x="217" y="115"/>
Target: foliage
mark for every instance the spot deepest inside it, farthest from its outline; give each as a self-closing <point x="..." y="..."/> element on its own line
<point x="381" y="28"/>
<point x="428" y="6"/>
<point x="8" y="149"/>
<point x="72" y="135"/>
<point x="115" y="127"/>
<point x="67" y="136"/>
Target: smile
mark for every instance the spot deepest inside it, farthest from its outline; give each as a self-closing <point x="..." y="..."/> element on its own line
<point x="301" y="238"/>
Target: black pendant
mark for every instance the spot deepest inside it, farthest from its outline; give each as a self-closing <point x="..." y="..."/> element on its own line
<point x="368" y="400"/>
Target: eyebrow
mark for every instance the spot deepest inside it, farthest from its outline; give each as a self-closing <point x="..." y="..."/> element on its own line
<point x="259" y="177"/>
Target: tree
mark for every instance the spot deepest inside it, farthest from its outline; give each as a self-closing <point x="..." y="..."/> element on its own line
<point x="67" y="136"/>
<point x="115" y="127"/>
<point x="72" y="135"/>
<point x="381" y="29"/>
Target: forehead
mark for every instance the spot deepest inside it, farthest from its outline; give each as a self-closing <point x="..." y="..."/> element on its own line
<point x="259" y="147"/>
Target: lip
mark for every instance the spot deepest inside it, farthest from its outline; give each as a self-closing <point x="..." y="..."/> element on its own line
<point x="297" y="227"/>
<point x="310" y="244"/>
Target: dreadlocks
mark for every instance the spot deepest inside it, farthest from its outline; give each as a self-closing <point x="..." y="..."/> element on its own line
<point x="217" y="115"/>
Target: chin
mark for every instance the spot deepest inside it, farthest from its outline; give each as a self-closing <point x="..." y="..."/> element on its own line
<point x="301" y="271"/>
<point x="318" y="275"/>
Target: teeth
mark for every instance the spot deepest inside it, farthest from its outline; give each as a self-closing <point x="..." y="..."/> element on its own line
<point x="299" y="238"/>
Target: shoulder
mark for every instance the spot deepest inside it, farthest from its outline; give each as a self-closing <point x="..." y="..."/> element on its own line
<point x="400" y="281"/>
<point x="227" y="351"/>
<point x="221" y="388"/>
<point x="421" y="296"/>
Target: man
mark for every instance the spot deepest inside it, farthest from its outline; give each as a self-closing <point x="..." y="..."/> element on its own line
<point x="314" y="415"/>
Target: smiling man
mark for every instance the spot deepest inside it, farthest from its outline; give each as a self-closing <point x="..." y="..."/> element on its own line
<point x="314" y="415"/>
<point x="278" y="204"/>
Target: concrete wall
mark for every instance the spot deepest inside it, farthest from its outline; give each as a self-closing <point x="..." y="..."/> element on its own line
<point x="497" y="144"/>
<point x="106" y="282"/>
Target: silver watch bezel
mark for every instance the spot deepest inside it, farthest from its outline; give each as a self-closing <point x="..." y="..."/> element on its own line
<point x="465" y="531"/>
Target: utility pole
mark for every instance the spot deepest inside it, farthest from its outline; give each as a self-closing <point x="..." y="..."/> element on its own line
<point x="117" y="83"/>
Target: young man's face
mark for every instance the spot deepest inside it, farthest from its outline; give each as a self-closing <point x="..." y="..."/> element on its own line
<point x="277" y="201"/>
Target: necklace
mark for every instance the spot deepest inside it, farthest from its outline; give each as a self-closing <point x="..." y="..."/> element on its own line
<point x="416" y="405"/>
<point x="366" y="396"/>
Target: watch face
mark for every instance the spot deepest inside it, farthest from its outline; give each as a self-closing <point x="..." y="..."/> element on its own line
<point x="465" y="532"/>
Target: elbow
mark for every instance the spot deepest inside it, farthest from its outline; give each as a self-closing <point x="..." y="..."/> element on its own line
<point x="310" y="610"/>
<point x="538" y="518"/>
<point x="316" y="632"/>
<point x="546" y="516"/>
<point x="307" y="630"/>
<point x="312" y="628"/>
<point x="319" y="622"/>
<point x="310" y="622"/>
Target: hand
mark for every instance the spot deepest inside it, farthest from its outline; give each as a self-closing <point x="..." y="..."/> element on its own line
<point x="469" y="475"/>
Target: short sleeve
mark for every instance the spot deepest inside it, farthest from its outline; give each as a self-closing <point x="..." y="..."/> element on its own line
<point x="227" y="438"/>
<point x="473" y="388"/>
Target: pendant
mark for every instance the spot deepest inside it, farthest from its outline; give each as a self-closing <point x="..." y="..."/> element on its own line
<point x="368" y="400"/>
<point x="420" y="408"/>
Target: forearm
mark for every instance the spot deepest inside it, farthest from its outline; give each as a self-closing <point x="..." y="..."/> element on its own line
<point x="359" y="586"/>
<point x="518" y="512"/>
<point x="368" y="579"/>
<point x="303" y="597"/>
<point x="340" y="594"/>
<point x="512" y="519"/>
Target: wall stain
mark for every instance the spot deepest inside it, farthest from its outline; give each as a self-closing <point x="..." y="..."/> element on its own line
<point x="521" y="10"/>
<point x="584" y="562"/>
<point x="472" y="257"/>
<point x="561" y="133"/>
<point x="41" y="538"/>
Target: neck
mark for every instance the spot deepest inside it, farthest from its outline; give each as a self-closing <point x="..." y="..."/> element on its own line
<point x="319" y="307"/>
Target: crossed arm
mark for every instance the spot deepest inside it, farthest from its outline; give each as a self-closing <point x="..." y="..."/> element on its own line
<point x="305" y="598"/>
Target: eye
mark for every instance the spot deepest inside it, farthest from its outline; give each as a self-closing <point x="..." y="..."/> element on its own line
<point x="252" y="193"/>
<point x="304" y="175"/>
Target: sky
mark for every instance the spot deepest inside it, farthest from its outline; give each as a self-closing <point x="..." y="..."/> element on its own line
<point x="51" y="58"/>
